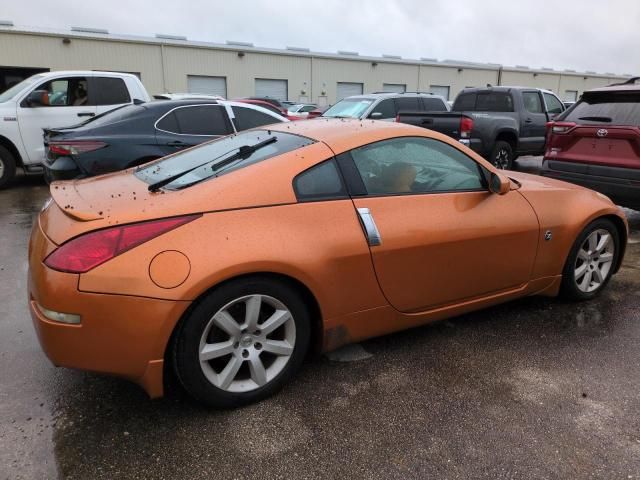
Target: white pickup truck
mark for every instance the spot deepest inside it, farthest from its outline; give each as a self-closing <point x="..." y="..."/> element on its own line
<point x="55" y="99"/>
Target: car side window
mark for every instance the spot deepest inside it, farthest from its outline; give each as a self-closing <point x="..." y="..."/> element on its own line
<point x="320" y="182"/>
<point x="247" y="118"/>
<point x="434" y="105"/>
<point x="408" y="104"/>
<point x="110" y="91"/>
<point x="386" y="108"/>
<point x="532" y="102"/>
<point x="308" y="108"/>
<point x="169" y="123"/>
<point x="412" y="165"/>
<point x="553" y="104"/>
<point x="205" y="120"/>
<point x="65" y="92"/>
<point x="465" y="102"/>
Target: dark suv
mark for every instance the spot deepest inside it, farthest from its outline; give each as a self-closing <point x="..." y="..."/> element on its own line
<point x="596" y="143"/>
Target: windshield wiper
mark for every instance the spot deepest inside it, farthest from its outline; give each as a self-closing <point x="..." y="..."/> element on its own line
<point x="244" y="152"/>
<point x="597" y="119"/>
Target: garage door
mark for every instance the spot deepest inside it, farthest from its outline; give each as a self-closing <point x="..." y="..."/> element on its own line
<point x="394" y="87"/>
<point x="267" y="87"/>
<point x="210" y="85"/>
<point x="346" y="89"/>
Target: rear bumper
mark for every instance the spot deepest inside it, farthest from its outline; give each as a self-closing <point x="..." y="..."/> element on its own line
<point x="119" y="335"/>
<point x="622" y="185"/>
<point x="62" y="168"/>
<point x="474" y="144"/>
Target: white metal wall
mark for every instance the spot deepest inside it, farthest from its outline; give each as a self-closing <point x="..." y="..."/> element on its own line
<point x="165" y="66"/>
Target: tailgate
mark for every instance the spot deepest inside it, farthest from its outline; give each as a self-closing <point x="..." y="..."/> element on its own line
<point x="613" y="146"/>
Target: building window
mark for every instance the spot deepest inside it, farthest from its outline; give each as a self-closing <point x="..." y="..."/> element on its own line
<point x="442" y="90"/>
<point x="570" y="95"/>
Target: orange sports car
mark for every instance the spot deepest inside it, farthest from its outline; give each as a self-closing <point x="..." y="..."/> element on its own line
<point x="232" y="260"/>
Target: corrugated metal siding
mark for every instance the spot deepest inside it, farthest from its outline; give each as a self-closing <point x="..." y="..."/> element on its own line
<point x="164" y="67"/>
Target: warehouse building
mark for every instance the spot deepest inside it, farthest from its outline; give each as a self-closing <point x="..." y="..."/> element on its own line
<point x="169" y="63"/>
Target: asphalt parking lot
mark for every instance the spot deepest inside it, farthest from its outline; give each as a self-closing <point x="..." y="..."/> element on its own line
<point x="537" y="388"/>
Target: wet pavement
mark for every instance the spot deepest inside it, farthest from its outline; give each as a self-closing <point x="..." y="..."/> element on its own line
<point x="538" y="388"/>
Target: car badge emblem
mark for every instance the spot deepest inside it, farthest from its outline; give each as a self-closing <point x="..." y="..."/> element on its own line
<point x="602" y="132"/>
<point x="548" y="235"/>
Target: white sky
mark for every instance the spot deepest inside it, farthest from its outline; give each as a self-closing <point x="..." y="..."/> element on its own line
<point x="602" y="35"/>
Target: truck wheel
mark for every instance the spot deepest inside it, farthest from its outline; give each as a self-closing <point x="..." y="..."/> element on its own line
<point x="7" y="167"/>
<point x="502" y="155"/>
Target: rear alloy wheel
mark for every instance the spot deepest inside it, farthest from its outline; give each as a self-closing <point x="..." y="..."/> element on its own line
<point x="502" y="155"/>
<point x="242" y="343"/>
<point x="591" y="261"/>
<point x="7" y="167"/>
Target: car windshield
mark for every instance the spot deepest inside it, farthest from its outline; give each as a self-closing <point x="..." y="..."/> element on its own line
<point x="349" y="108"/>
<point x="614" y="108"/>
<point x="17" y="88"/>
<point x="202" y="160"/>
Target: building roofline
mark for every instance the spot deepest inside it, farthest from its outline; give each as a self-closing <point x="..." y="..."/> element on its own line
<point x="246" y="47"/>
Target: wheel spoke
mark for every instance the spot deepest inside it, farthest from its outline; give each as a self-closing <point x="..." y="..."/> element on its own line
<point x="227" y="323"/>
<point x="586" y="281"/>
<point x="215" y="350"/>
<point x="605" y="239"/>
<point x="606" y="257"/>
<point x="581" y="270"/>
<point x="597" y="276"/>
<point x="252" y="314"/>
<point x="258" y="372"/>
<point x="593" y="242"/>
<point x="278" y="347"/>
<point x="582" y="255"/>
<point x="278" y="318"/>
<point x="229" y="373"/>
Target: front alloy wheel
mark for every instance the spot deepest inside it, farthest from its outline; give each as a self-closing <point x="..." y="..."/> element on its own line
<point x="591" y="261"/>
<point x="594" y="261"/>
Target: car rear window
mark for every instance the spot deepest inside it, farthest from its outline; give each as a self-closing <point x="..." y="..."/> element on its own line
<point x="484" y="102"/>
<point x="112" y="116"/>
<point x="616" y="108"/>
<point x="203" y="158"/>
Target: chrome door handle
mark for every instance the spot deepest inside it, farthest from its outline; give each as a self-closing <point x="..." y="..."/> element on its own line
<point x="369" y="227"/>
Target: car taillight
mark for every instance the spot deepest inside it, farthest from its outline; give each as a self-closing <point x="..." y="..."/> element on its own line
<point x="561" y="127"/>
<point x="466" y="125"/>
<point x="92" y="249"/>
<point x="75" y="147"/>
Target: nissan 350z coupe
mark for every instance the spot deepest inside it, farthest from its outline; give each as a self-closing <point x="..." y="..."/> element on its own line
<point x="231" y="261"/>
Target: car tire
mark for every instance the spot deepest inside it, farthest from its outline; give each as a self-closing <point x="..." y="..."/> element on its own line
<point x="250" y="359"/>
<point x="502" y="155"/>
<point x="7" y="167"/>
<point x="585" y="272"/>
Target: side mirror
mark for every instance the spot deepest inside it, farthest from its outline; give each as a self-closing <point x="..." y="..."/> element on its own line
<point x="376" y="115"/>
<point x="499" y="184"/>
<point x="38" y="98"/>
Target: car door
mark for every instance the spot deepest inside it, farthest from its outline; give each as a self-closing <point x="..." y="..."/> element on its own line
<point x="189" y="125"/>
<point x="533" y="122"/>
<point x="437" y="235"/>
<point x="108" y="93"/>
<point x="65" y="102"/>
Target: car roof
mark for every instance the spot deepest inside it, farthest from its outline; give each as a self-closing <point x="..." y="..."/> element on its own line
<point x="339" y="133"/>
<point x="374" y="95"/>
<point x="631" y="88"/>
